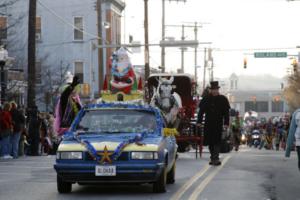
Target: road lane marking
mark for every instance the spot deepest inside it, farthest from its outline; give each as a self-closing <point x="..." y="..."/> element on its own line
<point x="207" y="180"/>
<point x="189" y="183"/>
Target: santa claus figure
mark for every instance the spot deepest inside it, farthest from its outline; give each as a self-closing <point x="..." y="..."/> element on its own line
<point x="122" y="72"/>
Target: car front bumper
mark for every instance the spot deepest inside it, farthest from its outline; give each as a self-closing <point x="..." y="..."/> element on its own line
<point x="125" y="173"/>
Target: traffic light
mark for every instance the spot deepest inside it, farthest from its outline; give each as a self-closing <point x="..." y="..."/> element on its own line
<point x="245" y="63"/>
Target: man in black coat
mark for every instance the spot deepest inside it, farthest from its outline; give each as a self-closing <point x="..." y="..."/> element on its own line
<point x="216" y="109"/>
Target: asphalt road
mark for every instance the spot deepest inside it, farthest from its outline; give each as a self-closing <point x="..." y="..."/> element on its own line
<point x="248" y="174"/>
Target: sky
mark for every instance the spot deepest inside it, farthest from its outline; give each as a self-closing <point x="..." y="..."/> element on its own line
<point x="235" y="28"/>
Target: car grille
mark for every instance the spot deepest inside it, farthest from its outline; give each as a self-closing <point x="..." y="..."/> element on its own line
<point x="123" y="157"/>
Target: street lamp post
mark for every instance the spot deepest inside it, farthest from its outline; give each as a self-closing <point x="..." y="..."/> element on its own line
<point x="3" y="58"/>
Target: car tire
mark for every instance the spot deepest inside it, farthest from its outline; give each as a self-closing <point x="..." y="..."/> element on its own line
<point x="159" y="186"/>
<point x="171" y="175"/>
<point x="62" y="186"/>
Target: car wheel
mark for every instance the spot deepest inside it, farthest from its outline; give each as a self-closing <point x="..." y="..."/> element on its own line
<point x="171" y="175"/>
<point x="62" y="186"/>
<point x="159" y="186"/>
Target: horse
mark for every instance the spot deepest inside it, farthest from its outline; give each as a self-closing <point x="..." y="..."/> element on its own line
<point x="167" y="101"/>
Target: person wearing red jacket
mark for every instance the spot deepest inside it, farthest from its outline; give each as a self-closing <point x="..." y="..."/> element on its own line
<point x="6" y="127"/>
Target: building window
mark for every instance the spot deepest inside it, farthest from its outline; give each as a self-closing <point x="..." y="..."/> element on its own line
<point x="78" y="67"/>
<point x="249" y="106"/>
<point x="258" y="106"/>
<point x="262" y="106"/>
<point x="38" y="72"/>
<point x="277" y="106"/>
<point x="38" y="29"/>
<point x="78" y="23"/>
<point x="3" y="28"/>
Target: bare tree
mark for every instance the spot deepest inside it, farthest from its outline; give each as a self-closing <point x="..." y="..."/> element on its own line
<point x="53" y="80"/>
<point x="292" y="91"/>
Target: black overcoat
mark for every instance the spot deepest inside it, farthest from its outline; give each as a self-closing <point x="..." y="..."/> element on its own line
<point x="216" y="110"/>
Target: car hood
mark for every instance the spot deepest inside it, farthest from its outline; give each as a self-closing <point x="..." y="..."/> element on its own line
<point x="149" y="143"/>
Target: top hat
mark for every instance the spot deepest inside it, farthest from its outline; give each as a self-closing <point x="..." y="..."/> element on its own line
<point x="214" y="85"/>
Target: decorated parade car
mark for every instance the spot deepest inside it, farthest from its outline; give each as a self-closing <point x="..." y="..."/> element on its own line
<point x="117" y="143"/>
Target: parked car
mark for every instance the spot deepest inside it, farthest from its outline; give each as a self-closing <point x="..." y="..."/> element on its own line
<point x="117" y="143"/>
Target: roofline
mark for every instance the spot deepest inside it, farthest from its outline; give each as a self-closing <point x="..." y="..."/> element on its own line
<point x="118" y="3"/>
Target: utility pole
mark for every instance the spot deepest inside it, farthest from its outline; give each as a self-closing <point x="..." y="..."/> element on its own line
<point x="182" y="51"/>
<point x="3" y="59"/>
<point x="212" y="70"/>
<point x="31" y="54"/>
<point x="196" y="38"/>
<point x="204" y="68"/>
<point x="210" y="58"/>
<point x="100" y="50"/>
<point x="163" y="52"/>
<point x="3" y="81"/>
<point x="147" y="64"/>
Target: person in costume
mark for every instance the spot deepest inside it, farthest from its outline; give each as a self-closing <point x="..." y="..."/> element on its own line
<point x="68" y="106"/>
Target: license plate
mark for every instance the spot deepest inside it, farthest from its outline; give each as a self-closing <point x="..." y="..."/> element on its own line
<point x="105" y="171"/>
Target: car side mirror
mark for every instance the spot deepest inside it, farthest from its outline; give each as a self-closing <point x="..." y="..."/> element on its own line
<point x="170" y="132"/>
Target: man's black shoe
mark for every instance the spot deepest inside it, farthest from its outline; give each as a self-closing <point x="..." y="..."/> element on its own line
<point x="216" y="163"/>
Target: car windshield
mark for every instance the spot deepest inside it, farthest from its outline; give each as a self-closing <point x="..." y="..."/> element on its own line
<point x="117" y="121"/>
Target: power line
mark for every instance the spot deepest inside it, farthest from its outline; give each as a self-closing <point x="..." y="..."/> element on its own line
<point x="256" y="49"/>
<point x="239" y="50"/>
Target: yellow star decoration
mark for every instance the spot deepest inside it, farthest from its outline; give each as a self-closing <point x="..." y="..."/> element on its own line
<point x="105" y="156"/>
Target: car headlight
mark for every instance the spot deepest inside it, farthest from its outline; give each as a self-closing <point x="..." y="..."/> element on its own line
<point x="144" y="155"/>
<point x="69" y="155"/>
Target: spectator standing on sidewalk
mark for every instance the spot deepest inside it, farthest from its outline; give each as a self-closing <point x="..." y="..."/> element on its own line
<point x="34" y="131"/>
<point x="44" y="134"/>
<point x="216" y="109"/>
<point x="236" y="131"/>
<point x="280" y="131"/>
<point x="6" y="128"/>
<point x="294" y="135"/>
<point x="18" y="120"/>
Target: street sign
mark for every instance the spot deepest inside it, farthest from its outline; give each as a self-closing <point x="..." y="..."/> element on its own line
<point x="270" y="54"/>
